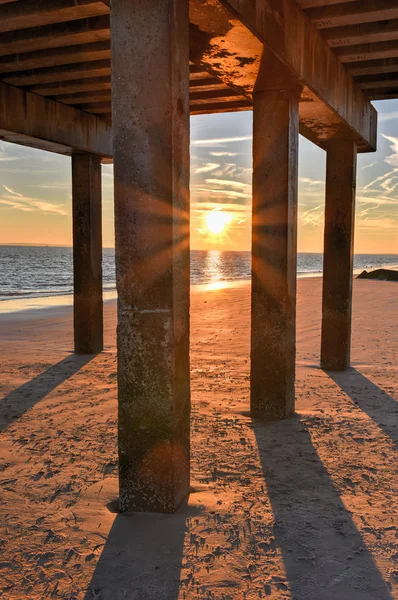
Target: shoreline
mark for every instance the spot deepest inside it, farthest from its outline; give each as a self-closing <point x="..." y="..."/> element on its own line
<point x="27" y="305"/>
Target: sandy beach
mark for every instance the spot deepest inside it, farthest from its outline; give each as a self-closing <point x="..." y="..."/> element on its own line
<point x="304" y="509"/>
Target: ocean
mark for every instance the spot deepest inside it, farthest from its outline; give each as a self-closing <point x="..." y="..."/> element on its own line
<point x="29" y="272"/>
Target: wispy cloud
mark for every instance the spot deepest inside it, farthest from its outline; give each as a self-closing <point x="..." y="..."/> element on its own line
<point x="228" y="183"/>
<point x="10" y="191"/>
<point x="369" y="166"/>
<point x="17" y="201"/>
<point x="222" y="153"/>
<point x="206" y="168"/>
<point x="222" y="140"/>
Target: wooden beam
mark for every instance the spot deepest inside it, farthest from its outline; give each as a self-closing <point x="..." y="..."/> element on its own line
<point x="220" y="107"/>
<point x="58" y="56"/>
<point x="31" y="120"/>
<point x="375" y="95"/>
<point x="98" y="68"/>
<point x="373" y="67"/>
<point x="378" y="84"/>
<point x="101" y="107"/>
<point x="313" y="3"/>
<point x="358" y="34"/>
<point x="84" y="97"/>
<point x="213" y="94"/>
<point x="37" y="13"/>
<point x="284" y="31"/>
<point x="85" y="31"/>
<point x="368" y="51"/>
<point x="69" y="87"/>
<point x="351" y="13"/>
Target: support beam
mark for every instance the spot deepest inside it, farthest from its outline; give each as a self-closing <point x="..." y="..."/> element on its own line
<point x="274" y="253"/>
<point x="37" y="13"/>
<point x="97" y="68"/>
<point x="373" y="67"/>
<point x="338" y="254"/>
<point x="31" y="120"/>
<point x="57" y="57"/>
<point x="368" y="33"/>
<point x="364" y="11"/>
<point x="360" y="52"/>
<point x="87" y="254"/>
<point x="85" y="31"/>
<point x="151" y="174"/>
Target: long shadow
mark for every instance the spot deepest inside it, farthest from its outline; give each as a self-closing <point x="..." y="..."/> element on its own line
<point x="324" y="555"/>
<point x="17" y="402"/>
<point x="375" y="402"/>
<point x="142" y="557"/>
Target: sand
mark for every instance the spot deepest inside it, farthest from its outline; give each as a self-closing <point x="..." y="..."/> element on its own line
<point x="303" y="509"/>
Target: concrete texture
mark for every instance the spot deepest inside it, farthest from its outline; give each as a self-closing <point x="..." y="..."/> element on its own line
<point x="338" y="254"/>
<point x="151" y="146"/>
<point x="274" y="250"/>
<point x="87" y="253"/>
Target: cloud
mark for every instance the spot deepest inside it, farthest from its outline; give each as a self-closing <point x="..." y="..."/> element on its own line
<point x="206" y="168"/>
<point x="369" y="166"/>
<point x="311" y="181"/>
<point x="17" y="201"/>
<point x="229" y="183"/>
<point x="392" y="160"/>
<point x="10" y="191"/>
<point x="218" y="141"/>
<point x="224" y="153"/>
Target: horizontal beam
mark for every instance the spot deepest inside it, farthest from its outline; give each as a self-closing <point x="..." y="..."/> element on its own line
<point x="31" y="120"/>
<point x="237" y="106"/>
<point x="357" y="34"/>
<point x="368" y="51"/>
<point x="375" y="95"/>
<point x="313" y="3"/>
<point x="85" y="97"/>
<point x="57" y="57"/>
<point x="352" y="13"/>
<point x="85" y="31"/>
<point x="288" y="35"/>
<point x="36" y="13"/>
<point x="378" y="84"/>
<point x="373" y="67"/>
<point x="97" y="68"/>
<point x="69" y="87"/>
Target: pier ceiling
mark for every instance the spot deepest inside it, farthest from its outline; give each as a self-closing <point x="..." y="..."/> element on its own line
<point x="342" y="54"/>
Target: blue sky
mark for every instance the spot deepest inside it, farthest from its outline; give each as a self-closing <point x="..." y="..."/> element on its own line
<point x="35" y="188"/>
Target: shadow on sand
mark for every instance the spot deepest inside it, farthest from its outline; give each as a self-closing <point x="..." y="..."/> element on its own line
<point x="324" y="555"/>
<point x="17" y="402"/>
<point x="375" y="402"/>
<point x="142" y="557"/>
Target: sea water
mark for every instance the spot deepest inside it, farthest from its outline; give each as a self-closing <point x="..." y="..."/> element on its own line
<point x="29" y="272"/>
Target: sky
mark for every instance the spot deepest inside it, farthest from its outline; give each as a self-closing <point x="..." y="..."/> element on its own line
<point x="35" y="190"/>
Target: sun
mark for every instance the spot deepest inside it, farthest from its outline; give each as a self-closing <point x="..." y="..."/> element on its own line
<point x="217" y="221"/>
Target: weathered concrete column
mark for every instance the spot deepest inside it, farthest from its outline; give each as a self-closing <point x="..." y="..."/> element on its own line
<point x="150" y="97"/>
<point x="338" y="254"/>
<point x="274" y="253"/>
<point x="87" y="253"/>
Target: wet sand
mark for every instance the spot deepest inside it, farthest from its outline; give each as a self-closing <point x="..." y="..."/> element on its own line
<point x="304" y="509"/>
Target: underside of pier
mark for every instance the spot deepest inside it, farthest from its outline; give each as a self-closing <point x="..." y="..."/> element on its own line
<point x="117" y="81"/>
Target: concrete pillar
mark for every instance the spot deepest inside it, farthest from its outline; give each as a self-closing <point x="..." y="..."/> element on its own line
<point x="274" y="253"/>
<point x="87" y="253"/>
<point x="150" y="98"/>
<point x="338" y="254"/>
